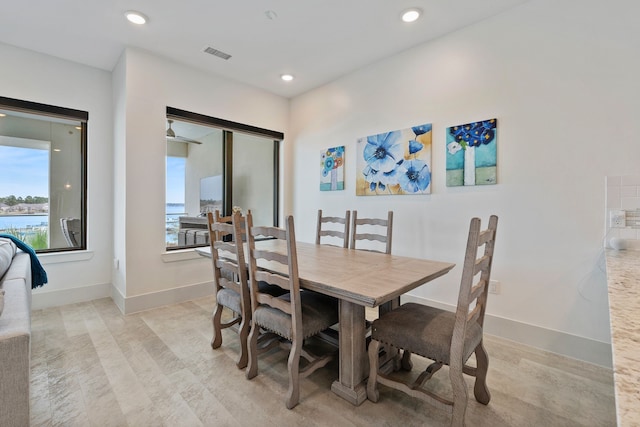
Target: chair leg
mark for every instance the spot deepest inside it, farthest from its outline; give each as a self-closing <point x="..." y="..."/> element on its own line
<point x="244" y="350"/>
<point x="407" y="364"/>
<point x="372" y="386"/>
<point x="293" y="365"/>
<point x="252" y="368"/>
<point x="216" y="320"/>
<point x="480" y="389"/>
<point x="460" y="394"/>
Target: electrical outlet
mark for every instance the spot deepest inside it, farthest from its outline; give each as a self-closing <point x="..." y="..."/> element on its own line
<point x="494" y="287"/>
<point x="617" y="219"/>
<point x="116" y="263"/>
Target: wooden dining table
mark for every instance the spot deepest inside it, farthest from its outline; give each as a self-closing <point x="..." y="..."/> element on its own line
<point x="358" y="279"/>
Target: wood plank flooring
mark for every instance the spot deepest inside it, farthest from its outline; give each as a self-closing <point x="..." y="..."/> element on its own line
<point x="92" y="366"/>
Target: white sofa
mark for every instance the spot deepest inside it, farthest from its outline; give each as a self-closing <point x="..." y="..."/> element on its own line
<point x="15" y="334"/>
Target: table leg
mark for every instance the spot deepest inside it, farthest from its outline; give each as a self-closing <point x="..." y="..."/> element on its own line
<point x="388" y="306"/>
<point x="354" y="363"/>
<point x="390" y="352"/>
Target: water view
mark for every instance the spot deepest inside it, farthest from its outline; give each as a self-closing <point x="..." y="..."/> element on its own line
<point x="31" y="229"/>
<point x="23" y="222"/>
<point x="29" y="224"/>
<point x="173" y="212"/>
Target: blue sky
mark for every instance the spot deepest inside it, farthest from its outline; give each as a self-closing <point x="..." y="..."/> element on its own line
<point x="175" y="179"/>
<point x="24" y="172"/>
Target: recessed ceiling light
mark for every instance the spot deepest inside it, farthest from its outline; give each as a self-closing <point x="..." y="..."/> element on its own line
<point x="286" y="77"/>
<point x="3" y="115"/>
<point x="271" y="14"/>
<point x="135" y="17"/>
<point x="411" y="15"/>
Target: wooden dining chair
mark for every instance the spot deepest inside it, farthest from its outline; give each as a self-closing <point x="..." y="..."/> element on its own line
<point x="333" y="227"/>
<point x="295" y="316"/>
<point x="378" y="231"/>
<point x="230" y="279"/>
<point x="373" y="229"/>
<point x="227" y="219"/>
<point x="445" y="337"/>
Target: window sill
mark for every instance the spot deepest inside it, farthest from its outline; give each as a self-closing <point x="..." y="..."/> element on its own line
<point x="56" y="258"/>
<point x="181" y="255"/>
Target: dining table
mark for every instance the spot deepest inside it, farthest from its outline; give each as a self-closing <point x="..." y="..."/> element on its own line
<point x="358" y="279"/>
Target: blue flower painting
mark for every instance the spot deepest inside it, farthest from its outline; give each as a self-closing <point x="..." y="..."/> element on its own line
<point x="472" y="154"/>
<point x="397" y="162"/>
<point x="332" y="169"/>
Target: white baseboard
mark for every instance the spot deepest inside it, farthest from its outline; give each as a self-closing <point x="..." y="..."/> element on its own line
<point x="57" y="298"/>
<point x="134" y="304"/>
<point x="581" y="348"/>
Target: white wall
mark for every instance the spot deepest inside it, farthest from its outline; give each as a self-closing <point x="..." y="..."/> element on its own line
<point x="39" y="78"/>
<point x="152" y="277"/>
<point x="561" y="77"/>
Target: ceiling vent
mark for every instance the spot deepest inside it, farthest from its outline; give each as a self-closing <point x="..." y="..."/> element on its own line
<point x="216" y="52"/>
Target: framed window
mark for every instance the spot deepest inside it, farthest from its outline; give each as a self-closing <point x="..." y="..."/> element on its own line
<point x="214" y="164"/>
<point x="43" y="175"/>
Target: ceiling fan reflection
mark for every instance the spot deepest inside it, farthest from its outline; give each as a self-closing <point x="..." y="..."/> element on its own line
<point x="171" y="136"/>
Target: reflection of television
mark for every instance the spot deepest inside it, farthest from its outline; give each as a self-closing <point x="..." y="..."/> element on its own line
<point x="210" y="193"/>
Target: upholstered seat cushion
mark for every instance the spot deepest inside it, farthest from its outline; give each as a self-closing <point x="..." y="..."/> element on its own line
<point x="423" y="330"/>
<point x="318" y="313"/>
<point x="230" y="299"/>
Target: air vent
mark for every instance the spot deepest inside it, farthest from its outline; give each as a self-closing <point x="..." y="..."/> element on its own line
<point x="216" y="52"/>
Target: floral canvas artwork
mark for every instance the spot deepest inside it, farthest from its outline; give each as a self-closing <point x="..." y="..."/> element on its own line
<point x="332" y="169"/>
<point x="472" y="154"/>
<point x="393" y="163"/>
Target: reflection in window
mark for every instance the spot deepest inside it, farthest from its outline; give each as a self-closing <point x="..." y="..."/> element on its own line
<point x="215" y="165"/>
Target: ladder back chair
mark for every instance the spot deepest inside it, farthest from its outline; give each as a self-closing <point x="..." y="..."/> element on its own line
<point x="369" y="229"/>
<point x="376" y="230"/>
<point x="445" y="337"/>
<point x="230" y="279"/>
<point x="333" y="227"/>
<point x="227" y="219"/>
<point x="294" y="316"/>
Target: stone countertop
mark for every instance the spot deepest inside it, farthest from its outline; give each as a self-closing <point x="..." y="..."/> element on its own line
<point x="623" y="279"/>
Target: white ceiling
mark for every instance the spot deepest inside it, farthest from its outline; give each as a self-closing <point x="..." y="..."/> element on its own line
<point x="315" y="40"/>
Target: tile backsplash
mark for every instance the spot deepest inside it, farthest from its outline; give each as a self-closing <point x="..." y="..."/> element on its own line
<point x="622" y="194"/>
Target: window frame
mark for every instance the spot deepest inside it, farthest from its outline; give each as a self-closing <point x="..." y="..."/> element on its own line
<point x="228" y="127"/>
<point x="46" y="110"/>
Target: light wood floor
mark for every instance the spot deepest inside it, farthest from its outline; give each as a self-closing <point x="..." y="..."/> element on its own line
<point x="92" y="366"/>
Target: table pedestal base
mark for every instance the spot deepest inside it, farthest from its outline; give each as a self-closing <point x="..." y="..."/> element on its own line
<point x="355" y="396"/>
<point x="354" y="363"/>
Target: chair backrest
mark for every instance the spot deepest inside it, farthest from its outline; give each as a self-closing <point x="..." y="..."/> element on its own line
<point x="219" y="218"/>
<point x="228" y="259"/>
<point x="333" y="226"/>
<point x="368" y="229"/>
<point x="277" y="266"/>
<point x="471" y="291"/>
<point x="71" y="231"/>
<point x="228" y="219"/>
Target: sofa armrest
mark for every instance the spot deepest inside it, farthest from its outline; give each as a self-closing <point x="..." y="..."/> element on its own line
<point x="15" y="347"/>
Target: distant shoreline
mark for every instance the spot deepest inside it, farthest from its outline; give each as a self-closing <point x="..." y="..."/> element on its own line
<point x="26" y="214"/>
